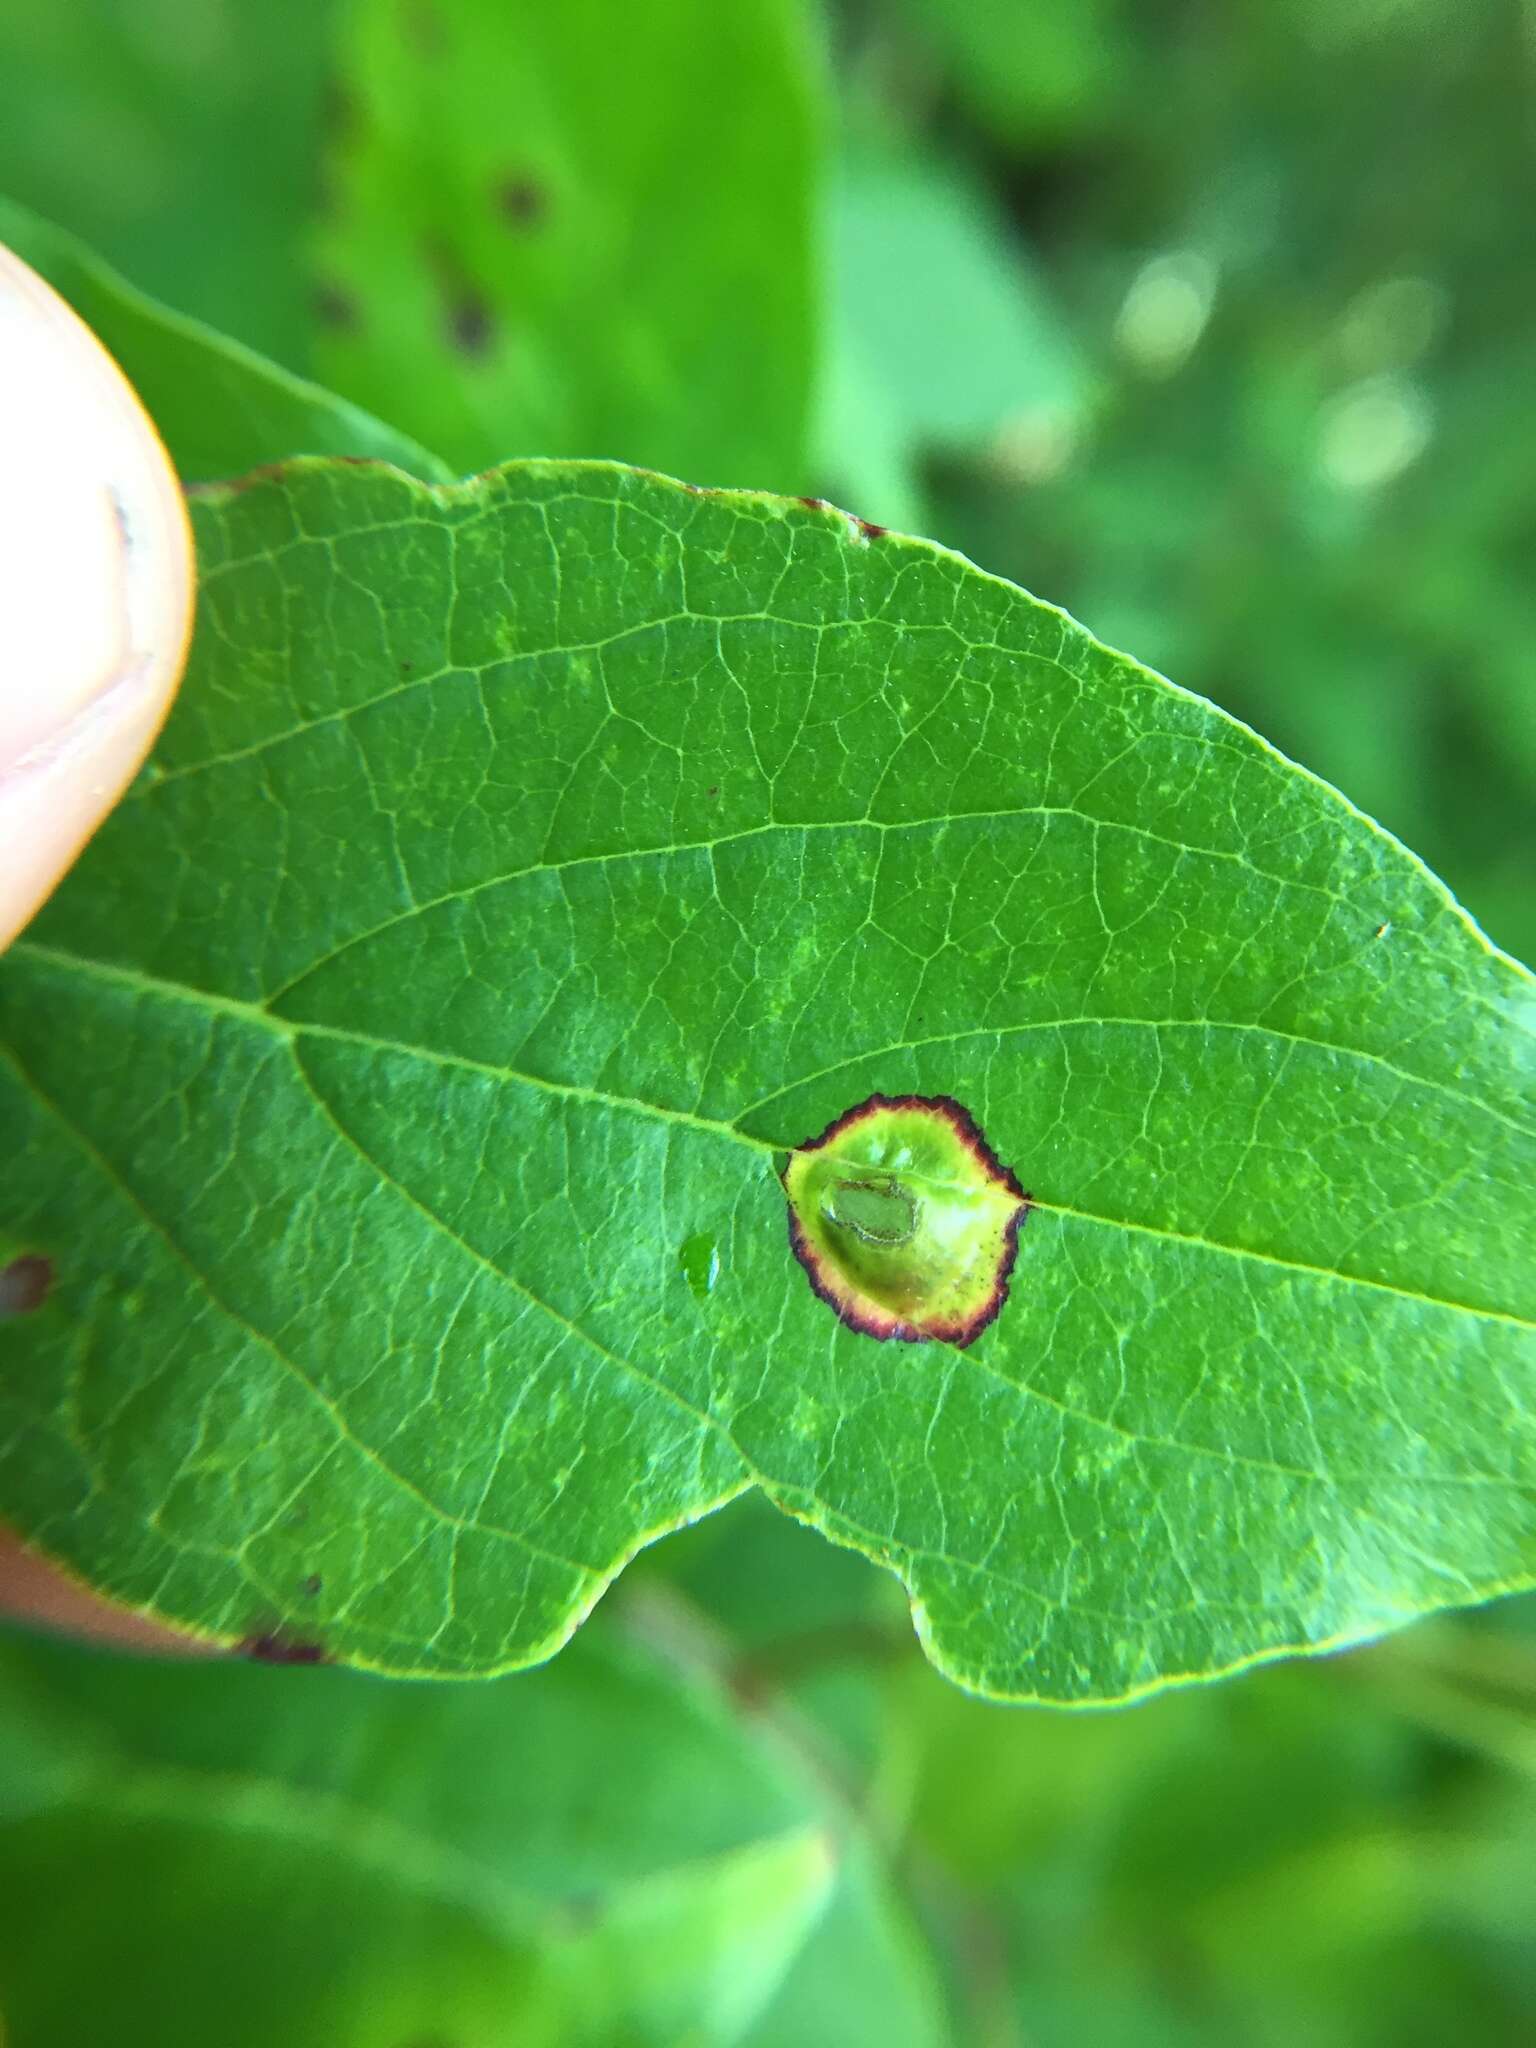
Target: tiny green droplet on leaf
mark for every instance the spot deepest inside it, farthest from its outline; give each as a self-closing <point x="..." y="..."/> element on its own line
<point x="700" y="1261"/>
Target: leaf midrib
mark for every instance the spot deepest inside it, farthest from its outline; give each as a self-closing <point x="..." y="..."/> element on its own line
<point x="290" y="1029"/>
<point x="872" y="1541"/>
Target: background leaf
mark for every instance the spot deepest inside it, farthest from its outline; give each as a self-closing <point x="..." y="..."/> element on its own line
<point x="303" y="1856"/>
<point x="528" y="864"/>
<point x="530" y="253"/>
<point x="1338" y="1851"/>
<point x="978" y="359"/>
<point x="219" y="407"/>
<point x="181" y="140"/>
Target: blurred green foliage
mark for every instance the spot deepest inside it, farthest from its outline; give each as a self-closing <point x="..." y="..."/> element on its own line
<point x="524" y="255"/>
<point x="1290" y="241"/>
<point x="1217" y="325"/>
<point x="1341" y="1854"/>
<point x="179" y="139"/>
<point x="603" y="1852"/>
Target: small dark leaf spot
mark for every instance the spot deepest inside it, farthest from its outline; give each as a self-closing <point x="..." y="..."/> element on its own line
<point x="713" y="789"/>
<point x="816" y="505"/>
<point x="523" y="201"/>
<point x="272" y="1648"/>
<point x="470" y="327"/>
<point x="25" y="1284"/>
<point x="313" y="1585"/>
<point x="338" y="110"/>
<point x="336" y="309"/>
<point x="1383" y="929"/>
<point x="869" y="530"/>
<point x="406" y="667"/>
<point x="467" y="318"/>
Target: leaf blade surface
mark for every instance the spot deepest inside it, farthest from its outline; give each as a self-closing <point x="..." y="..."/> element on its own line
<point x="529" y="865"/>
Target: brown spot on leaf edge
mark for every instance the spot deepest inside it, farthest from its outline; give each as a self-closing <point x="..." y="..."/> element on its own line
<point x="522" y="201"/>
<point x="866" y="529"/>
<point x="272" y="1648"/>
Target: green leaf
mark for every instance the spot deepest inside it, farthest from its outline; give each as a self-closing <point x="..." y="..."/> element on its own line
<point x="312" y="1857"/>
<point x="1034" y="77"/>
<point x="527" y="868"/>
<point x="220" y="408"/>
<point x="580" y="230"/>
<point x="979" y="362"/>
<point x="181" y="140"/>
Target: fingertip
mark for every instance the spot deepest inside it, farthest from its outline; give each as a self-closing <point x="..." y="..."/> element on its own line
<point x="96" y="588"/>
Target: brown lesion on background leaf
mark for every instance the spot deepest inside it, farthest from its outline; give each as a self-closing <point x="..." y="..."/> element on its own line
<point x="335" y="308"/>
<point x="522" y="201"/>
<point x="471" y="329"/>
<point x="468" y="322"/>
<point x="25" y="1284"/>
